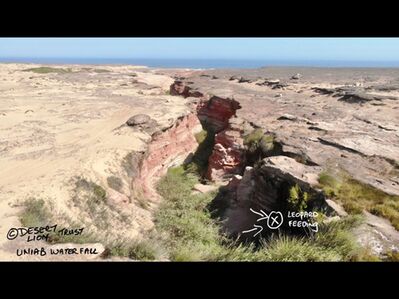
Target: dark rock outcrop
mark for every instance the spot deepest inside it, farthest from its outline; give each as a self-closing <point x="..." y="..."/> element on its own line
<point x="138" y="119"/>
<point x="352" y="94"/>
<point x="216" y="112"/>
<point x="179" y="88"/>
<point x="296" y="77"/>
<point x="143" y="122"/>
<point x="267" y="187"/>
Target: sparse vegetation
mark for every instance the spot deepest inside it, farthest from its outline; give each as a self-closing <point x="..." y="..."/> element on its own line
<point x="292" y="249"/>
<point x="127" y="164"/>
<point x="260" y="145"/>
<point x="92" y="199"/>
<point x="101" y="71"/>
<point x="201" y="136"/>
<point x="393" y="256"/>
<point x="199" y="163"/>
<point x="186" y="231"/>
<point x="356" y="196"/>
<point x="192" y="234"/>
<point x="257" y="139"/>
<point x="35" y="213"/>
<point x="47" y="70"/>
<point x="141" y="200"/>
<point x="297" y="199"/>
<point x="252" y="139"/>
<point x="94" y="192"/>
<point x="115" y="183"/>
<point x="139" y="250"/>
<point x="131" y="163"/>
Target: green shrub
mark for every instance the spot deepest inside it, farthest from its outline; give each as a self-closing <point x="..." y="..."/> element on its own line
<point x="297" y="199"/>
<point x="201" y="136"/>
<point x="35" y="213"/>
<point x="142" y="251"/>
<point x="258" y="140"/>
<point x="266" y="143"/>
<point x="253" y="137"/>
<point x="46" y="70"/>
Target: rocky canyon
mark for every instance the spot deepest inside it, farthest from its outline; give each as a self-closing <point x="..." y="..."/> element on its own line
<point x="270" y="142"/>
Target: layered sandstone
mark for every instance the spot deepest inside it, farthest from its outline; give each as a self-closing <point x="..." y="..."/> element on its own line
<point x="217" y="111"/>
<point x="228" y="155"/>
<point x="170" y="147"/>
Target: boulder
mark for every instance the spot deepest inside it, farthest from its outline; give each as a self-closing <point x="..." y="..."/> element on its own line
<point x="377" y="234"/>
<point x="288" y="169"/>
<point x="296" y="76"/>
<point x="143" y="122"/>
<point x="338" y="209"/>
<point x="138" y="119"/>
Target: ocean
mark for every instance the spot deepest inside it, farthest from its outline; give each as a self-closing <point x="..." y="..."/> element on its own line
<point x="203" y="63"/>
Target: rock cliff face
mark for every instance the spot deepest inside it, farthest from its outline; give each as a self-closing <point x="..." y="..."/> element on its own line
<point x="216" y="112"/>
<point x="307" y="134"/>
<point x="310" y="131"/>
<point x="217" y="116"/>
<point x="167" y="148"/>
<point x="267" y="187"/>
<point x="174" y="145"/>
<point x="228" y="155"/>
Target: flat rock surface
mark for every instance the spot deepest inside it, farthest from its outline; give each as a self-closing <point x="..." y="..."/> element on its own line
<point x="361" y="137"/>
<point x="377" y="235"/>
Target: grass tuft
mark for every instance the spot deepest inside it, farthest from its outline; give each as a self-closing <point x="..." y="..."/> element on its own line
<point x="138" y="250"/>
<point x="357" y="197"/>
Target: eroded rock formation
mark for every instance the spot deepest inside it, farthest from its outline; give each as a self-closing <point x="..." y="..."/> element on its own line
<point x="216" y="112"/>
<point x="309" y="135"/>
<point x="267" y="187"/>
<point x="167" y="148"/>
<point x="179" y="88"/>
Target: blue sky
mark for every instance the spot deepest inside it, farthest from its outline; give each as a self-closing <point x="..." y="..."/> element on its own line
<point x="358" y="49"/>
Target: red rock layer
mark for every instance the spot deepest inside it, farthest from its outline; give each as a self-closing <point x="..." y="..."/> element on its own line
<point x="167" y="149"/>
<point x="217" y="111"/>
<point x="227" y="157"/>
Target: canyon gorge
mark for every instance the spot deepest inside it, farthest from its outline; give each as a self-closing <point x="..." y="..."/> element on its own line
<point x="271" y="140"/>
